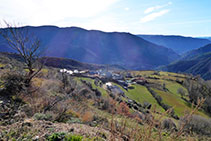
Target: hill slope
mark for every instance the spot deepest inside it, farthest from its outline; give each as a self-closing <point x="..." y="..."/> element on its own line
<point x="197" y="52"/>
<point x="195" y="62"/>
<point x="14" y="59"/>
<point x="73" y="64"/>
<point x="99" y="47"/>
<point x="179" y="44"/>
<point x="87" y="108"/>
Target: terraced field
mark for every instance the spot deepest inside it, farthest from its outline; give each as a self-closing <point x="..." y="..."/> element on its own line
<point x="103" y="91"/>
<point x="170" y="95"/>
<point x="141" y="94"/>
<point x="179" y="105"/>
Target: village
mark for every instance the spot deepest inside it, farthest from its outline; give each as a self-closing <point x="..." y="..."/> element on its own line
<point x="107" y="80"/>
<point x="125" y="80"/>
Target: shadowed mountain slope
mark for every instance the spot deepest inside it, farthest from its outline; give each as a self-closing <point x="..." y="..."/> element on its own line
<point x="179" y="44"/>
<point x="195" y="62"/>
<point x="92" y="46"/>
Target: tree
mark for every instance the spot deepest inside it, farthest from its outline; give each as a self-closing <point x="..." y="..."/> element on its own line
<point x="181" y="91"/>
<point x="197" y="89"/>
<point x="26" y="45"/>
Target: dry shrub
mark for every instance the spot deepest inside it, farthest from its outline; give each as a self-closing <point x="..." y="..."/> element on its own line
<point x="123" y="109"/>
<point x="145" y="128"/>
<point x="51" y="85"/>
<point x="105" y="104"/>
<point x="199" y="125"/>
<point x="44" y="94"/>
<point x="73" y="113"/>
<point x="108" y="104"/>
<point x="168" y="124"/>
<point x="60" y="109"/>
<point x="36" y="102"/>
<point x="87" y="116"/>
<point x="14" y="83"/>
<point x="37" y="82"/>
<point x="187" y="118"/>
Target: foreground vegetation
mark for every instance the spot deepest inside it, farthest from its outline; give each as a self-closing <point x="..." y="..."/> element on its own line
<point x="57" y="106"/>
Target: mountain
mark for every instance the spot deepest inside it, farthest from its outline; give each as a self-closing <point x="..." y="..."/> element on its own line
<point x="15" y="59"/>
<point x="195" y="62"/>
<point x="179" y="44"/>
<point x="97" y="47"/>
<point x="206" y="37"/>
<point x="78" y="106"/>
<point x="73" y="64"/>
<point x="197" y="52"/>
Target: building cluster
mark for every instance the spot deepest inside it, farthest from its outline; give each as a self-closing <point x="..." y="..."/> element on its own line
<point x="107" y="76"/>
<point x="109" y="79"/>
<point x="72" y="72"/>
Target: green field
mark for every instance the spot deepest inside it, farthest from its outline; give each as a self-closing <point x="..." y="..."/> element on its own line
<point x="179" y="105"/>
<point x="141" y="95"/>
<point x="173" y="88"/>
<point x="103" y="91"/>
<point x="170" y="97"/>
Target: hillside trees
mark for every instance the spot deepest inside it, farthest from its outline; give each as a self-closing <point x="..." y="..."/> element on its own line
<point x="26" y="45"/>
<point x="197" y="89"/>
<point x="181" y="91"/>
<point x="197" y="124"/>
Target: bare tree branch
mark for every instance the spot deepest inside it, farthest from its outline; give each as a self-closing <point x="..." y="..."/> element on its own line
<point x="25" y="44"/>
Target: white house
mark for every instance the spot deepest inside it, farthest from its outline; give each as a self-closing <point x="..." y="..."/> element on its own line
<point x="76" y="71"/>
<point x="70" y="72"/>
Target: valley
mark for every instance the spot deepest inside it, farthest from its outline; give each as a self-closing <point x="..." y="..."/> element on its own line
<point x="105" y="70"/>
<point x="80" y="97"/>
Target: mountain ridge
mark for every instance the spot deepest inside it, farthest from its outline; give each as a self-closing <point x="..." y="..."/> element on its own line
<point x="178" y="43"/>
<point x="197" y="52"/>
<point x="196" y="62"/>
<point x="98" y="47"/>
<point x="59" y="62"/>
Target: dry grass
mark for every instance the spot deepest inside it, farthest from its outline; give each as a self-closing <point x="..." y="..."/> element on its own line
<point x="151" y="128"/>
<point x="122" y="123"/>
<point x="87" y="117"/>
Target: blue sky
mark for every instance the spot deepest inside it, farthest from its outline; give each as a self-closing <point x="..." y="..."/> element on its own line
<point x="168" y="17"/>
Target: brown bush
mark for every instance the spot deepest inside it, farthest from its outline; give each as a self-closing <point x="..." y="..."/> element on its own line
<point x="123" y="109"/>
<point x="87" y="117"/>
<point x="13" y="83"/>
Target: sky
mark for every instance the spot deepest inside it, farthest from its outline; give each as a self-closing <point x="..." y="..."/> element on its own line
<point x="166" y="17"/>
